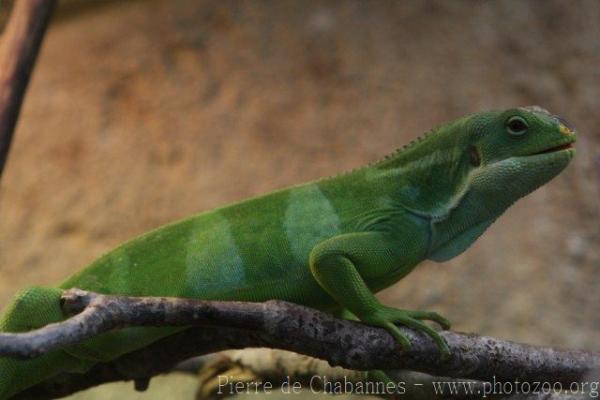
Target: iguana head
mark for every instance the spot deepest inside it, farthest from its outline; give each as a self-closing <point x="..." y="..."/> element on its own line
<point x="469" y="171"/>
<point x="511" y="153"/>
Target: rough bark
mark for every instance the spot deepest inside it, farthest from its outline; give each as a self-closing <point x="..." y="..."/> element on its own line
<point x="216" y="326"/>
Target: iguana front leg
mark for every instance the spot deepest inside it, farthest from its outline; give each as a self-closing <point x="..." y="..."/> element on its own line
<point x="343" y="263"/>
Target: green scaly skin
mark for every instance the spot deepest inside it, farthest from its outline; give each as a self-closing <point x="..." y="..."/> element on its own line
<point x="328" y="244"/>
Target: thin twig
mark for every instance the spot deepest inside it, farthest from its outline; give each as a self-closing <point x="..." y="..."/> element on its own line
<point x="19" y="48"/>
<point x="230" y="325"/>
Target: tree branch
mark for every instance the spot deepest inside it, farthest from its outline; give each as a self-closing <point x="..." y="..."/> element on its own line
<point x="218" y="375"/>
<point x="219" y="326"/>
<point x="20" y="45"/>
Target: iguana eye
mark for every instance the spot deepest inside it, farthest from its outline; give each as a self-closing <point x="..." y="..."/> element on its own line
<point x="516" y="126"/>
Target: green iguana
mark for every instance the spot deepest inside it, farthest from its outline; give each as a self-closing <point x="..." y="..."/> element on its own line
<point x="328" y="244"/>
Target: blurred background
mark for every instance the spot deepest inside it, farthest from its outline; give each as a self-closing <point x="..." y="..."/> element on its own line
<point x="142" y="112"/>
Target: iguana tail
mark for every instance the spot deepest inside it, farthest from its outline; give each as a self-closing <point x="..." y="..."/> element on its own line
<point x="32" y="309"/>
<point x="37" y="307"/>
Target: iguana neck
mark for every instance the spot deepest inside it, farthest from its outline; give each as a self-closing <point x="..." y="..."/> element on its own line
<point x="429" y="176"/>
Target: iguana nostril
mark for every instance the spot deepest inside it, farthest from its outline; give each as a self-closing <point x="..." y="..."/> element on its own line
<point x="565" y="123"/>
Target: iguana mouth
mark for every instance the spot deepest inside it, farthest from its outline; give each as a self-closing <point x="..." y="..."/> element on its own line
<point x="563" y="146"/>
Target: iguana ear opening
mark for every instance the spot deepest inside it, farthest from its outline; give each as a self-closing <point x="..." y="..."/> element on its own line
<point x="474" y="156"/>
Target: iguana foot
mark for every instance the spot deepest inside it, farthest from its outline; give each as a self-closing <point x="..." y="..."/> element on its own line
<point x="377" y="375"/>
<point x="388" y="317"/>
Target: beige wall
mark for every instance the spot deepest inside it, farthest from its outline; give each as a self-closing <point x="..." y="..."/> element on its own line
<point x="143" y="112"/>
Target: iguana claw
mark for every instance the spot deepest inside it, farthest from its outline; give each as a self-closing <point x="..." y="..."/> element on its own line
<point x="388" y="318"/>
